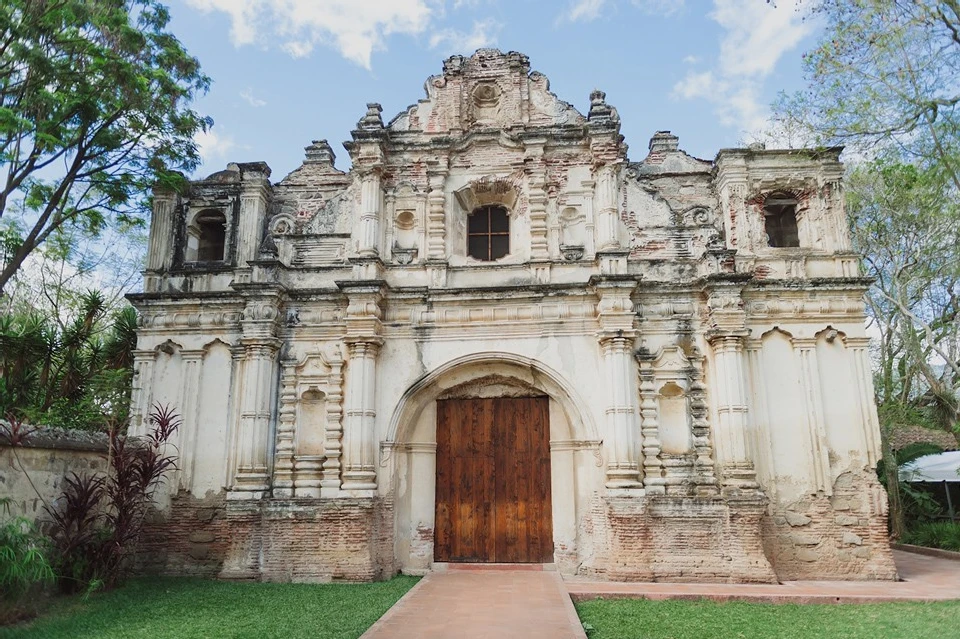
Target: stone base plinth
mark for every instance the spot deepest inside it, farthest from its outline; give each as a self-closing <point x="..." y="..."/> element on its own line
<point x="300" y="540"/>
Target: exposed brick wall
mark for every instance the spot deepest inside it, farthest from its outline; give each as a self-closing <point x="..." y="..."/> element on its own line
<point x="273" y="540"/>
<point x="678" y="539"/>
<point x="839" y="537"/>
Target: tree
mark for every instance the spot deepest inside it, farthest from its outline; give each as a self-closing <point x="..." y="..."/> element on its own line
<point x="884" y="80"/>
<point x="94" y="109"/>
<point x="885" y="75"/>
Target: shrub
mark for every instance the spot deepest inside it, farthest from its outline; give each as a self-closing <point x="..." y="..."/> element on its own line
<point x="24" y="568"/>
<point x="935" y="534"/>
<point x="97" y="521"/>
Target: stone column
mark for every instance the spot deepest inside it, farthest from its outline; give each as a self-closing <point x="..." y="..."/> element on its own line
<point x="860" y="369"/>
<point x="726" y="336"/>
<point x="371" y="209"/>
<point x="192" y="362"/>
<point x="360" y="456"/>
<point x="653" y="479"/>
<point x="160" y="251"/>
<point x="816" y="429"/>
<point x="700" y="425"/>
<point x="254" y="198"/>
<point x="252" y="478"/>
<point x="537" y="199"/>
<point x="286" y="425"/>
<point x="436" y="215"/>
<point x="606" y="206"/>
<point x="333" y="443"/>
<point x="616" y="337"/>
<point x="363" y="319"/>
<point x="140" y="394"/>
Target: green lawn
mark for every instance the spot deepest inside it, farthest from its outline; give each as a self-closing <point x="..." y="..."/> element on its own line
<point x="640" y="619"/>
<point x="180" y="608"/>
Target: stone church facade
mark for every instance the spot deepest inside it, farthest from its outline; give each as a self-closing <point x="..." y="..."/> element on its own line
<point x="497" y="339"/>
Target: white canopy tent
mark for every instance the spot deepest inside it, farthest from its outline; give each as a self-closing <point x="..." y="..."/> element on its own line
<point x="933" y="468"/>
<point x="942" y="468"/>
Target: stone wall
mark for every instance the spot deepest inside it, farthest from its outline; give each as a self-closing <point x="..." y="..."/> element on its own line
<point x="48" y="455"/>
<point x="679" y="539"/>
<point x="300" y="540"/>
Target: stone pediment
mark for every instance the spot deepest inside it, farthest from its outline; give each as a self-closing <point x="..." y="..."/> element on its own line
<point x="489" y="89"/>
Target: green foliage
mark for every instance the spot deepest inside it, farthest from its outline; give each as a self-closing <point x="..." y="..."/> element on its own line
<point x="75" y="375"/>
<point x="23" y="559"/>
<point x="94" y="110"/>
<point x="642" y="619"/>
<point x="934" y="534"/>
<point x="164" y="608"/>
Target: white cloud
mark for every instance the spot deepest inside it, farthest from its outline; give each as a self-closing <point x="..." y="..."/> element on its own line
<point x="756" y="35"/>
<point x="582" y="11"/>
<point x="664" y="8"/>
<point x="355" y="29"/>
<point x="691" y="59"/>
<point x="589" y="10"/>
<point x="483" y="35"/>
<point x="213" y="147"/>
<point x="252" y="100"/>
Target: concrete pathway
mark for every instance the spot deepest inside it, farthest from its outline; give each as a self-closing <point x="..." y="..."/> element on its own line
<point x="468" y="604"/>
<point x="924" y="579"/>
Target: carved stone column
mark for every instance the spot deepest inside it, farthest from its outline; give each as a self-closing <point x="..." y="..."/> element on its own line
<point x="140" y="394"/>
<point x="286" y="423"/>
<point x="254" y="199"/>
<point x="653" y="480"/>
<point x="363" y="340"/>
<point x="537" y="200"/>
<point x="860" y="369"/>
<point x="616" y="337"/>
<point x="333" y="443"/>
<point x="436" y="216"/>
<point x="187" y="436"/>
<point x="160" y="251"/>
<point x="816" y="429"/>
<point x="726" y="337"/>
<point x="736" y="469"/>
<point x="371" y="210"/>
<point x="260" y="344"/>
<point x="605" y="204"/>
<point x="700" y="425"/>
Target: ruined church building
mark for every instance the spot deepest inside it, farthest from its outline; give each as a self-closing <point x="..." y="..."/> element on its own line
<point x="498" y="339"/>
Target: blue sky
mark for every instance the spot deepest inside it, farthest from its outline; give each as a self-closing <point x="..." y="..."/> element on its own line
<point x="287" y="72"/>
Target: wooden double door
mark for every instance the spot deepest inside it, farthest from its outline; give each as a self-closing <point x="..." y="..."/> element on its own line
<point x="493" y="481"/>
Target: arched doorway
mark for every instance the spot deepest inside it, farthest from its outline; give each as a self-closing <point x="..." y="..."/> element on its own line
<point x="493" y="480"/>
<point x="411" y="454"/>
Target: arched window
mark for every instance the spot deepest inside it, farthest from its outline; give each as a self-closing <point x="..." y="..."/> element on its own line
<point x="488" y="233"/>
<point x="780" y="221"/>
<point x="211" y="231"/>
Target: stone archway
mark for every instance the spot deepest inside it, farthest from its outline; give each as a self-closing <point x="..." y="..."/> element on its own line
<point x="410" y="452"/>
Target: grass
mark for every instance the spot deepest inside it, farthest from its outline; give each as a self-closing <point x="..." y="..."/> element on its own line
<point x="169" y="608"/>
<point x="636" y="619"/>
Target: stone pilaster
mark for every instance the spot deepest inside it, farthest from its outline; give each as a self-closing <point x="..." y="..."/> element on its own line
<point x="141" y="394"/>
<point x="726" y="336"/>
<point x="192" y="362"/>
<point x="363" y="318"/>
<point x="260" y="347"/>
<point x="371" y="211"/>
<point x="333" y="443"/>
<point x="605" y="205"/>
<point x="436" y="213"/>
<point x="860" y="369"/>
<point x="705" y="477"/>
<point x="616" y="337"/>
<point x="816" y="429"/>
<point x="286" y="425"/>
<point x="160" y="250"/>
<point x="537" y="200"/>
<point x="254" y="198"/>
<point x="653" y="480"/>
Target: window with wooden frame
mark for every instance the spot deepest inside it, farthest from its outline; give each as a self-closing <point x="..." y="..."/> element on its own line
<point x="488" y="233"/>
<point x="780" y="221"/>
